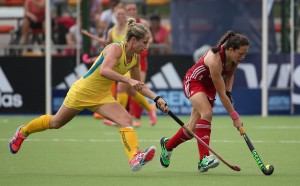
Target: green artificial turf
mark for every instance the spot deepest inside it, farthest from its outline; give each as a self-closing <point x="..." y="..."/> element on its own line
<point x="87" y="152"/>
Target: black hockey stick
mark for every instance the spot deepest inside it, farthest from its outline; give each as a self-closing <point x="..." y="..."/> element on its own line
<point x="268" y="169"/>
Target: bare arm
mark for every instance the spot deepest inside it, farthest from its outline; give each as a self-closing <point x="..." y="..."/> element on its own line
<point x="214" y="63"/>
<point x="229" y="78"/>
<point x="112" y="54"/>
<point x="135" y="71"/>
<point x="144" y="89"/>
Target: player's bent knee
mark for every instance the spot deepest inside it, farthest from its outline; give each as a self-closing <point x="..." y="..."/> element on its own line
<point x="207" y="115"/>
<point x="125" y="121"/>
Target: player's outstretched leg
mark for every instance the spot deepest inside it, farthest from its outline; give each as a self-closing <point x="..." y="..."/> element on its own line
<point x="16" y="142"/>
<point x="142" y="158"/>
<point x="165" y="155"/>
<point x="206" y="163"/>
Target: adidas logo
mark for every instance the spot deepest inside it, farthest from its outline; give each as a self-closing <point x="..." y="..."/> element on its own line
<point x="166" y="79"/>
<point x="7" y="98"/>
<point x="79" y="71"/>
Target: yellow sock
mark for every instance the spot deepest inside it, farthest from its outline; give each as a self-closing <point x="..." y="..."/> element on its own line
<point x="129" y="141"/>
<point x="140" y="99"/>
<point x="122" y="98"/>
<point x="36" y="125"/>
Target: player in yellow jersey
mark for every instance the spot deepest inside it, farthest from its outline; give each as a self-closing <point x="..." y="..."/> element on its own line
<point x="115" y="34"/>
<point x="93" y="92"/>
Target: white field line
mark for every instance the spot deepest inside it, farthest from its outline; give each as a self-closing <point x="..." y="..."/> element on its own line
<point x="117" y="140"/>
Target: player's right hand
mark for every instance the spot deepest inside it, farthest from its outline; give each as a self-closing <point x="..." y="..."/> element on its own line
<point x="238" y="124"/>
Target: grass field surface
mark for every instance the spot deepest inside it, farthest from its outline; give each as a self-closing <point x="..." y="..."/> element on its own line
<point x="86" y="152"/>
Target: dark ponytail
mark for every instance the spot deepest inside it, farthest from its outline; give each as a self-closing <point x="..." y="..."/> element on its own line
<point x="223" y="39"/>
<point x="231" y="40"/>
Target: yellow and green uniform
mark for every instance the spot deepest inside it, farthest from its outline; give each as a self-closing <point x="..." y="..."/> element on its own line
<point x="115" y="37"/>
<point x="92" y="89"/>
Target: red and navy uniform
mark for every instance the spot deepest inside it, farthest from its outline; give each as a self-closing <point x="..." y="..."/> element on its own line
<point x="198" y="79"/>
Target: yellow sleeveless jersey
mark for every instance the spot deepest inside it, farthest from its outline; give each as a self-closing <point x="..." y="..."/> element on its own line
<point x="93" y="84"/>
<point x="118" y="37"/>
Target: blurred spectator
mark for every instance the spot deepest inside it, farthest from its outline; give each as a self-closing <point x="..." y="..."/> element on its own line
<point x="95" y="11"/>
<point x="73" y="37"/>
<point x="135" y="109"/>
<point x="131" y="10"/>
<point x="160" y="34"/>
<point x="63" y="25"/>
<point x="34" y="18"/>
<point x="107" y="19"/>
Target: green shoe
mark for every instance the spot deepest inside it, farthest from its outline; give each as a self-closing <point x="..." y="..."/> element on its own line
<point x="206" y="163"/>
<point x="165" y="154"/>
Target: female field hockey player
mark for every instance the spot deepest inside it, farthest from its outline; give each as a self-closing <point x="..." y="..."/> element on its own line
<point x="115" y="34"/>
<point x="93" y="92"/>
<point x="213" y="72"/>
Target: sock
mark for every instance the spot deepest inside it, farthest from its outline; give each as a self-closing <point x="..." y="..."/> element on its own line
<point x="122" y="98"/>
<point x="180" y="137"/>
<point x="135" y="109"/>
<point x="129" y="141"/>
<point x="36" y="125"/>
<point x="203" y="130"/>
<point x="140" y="99"/>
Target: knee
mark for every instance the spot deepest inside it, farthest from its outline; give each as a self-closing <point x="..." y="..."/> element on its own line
<point x="125" y="121"/>
<point x="207" y="114"/>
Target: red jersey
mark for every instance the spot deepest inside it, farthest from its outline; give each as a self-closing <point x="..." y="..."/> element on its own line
<point x="198" y="79"/>
<point x="143" y="56"/>
<point x="37" y="11"/>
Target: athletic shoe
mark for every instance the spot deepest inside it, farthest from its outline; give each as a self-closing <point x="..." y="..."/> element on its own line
<point x="109" y="123"/>
<point x="165" y="154"/>
<point x="137" y="123"/>
<point x="97" y="116"/>
<point x="152" y="115"/>
<point x="141" y="158"/>
<point x="16" y="142"/>
<point x="206" y="163"/>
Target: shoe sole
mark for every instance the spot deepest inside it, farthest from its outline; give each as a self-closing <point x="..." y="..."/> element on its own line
<point x="162" y="141"/>
<point x="109" y="123"/>
<point x="149" y="155"/>
<point x="9" y="144"/>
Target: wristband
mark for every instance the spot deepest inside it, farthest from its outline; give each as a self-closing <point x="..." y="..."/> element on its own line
<point x="155" y="100"/>
<point x="234" y="115"/>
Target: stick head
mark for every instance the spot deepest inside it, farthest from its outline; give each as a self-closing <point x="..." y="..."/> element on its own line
<point x="236" y="168"/>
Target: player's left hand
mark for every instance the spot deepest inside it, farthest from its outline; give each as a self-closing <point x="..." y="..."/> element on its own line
<point x="161" y="104"/>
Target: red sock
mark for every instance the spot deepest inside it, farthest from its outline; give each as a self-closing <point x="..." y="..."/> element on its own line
<point x="203" y="130"/>
<point x="135" y="109"/>
<point x="180" y="137"/>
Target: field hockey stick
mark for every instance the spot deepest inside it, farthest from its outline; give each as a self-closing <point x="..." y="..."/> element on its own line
<point x="86" y="33"/>
<point x="233" y="167"/>
<point x="88" y="60"/>
<point x="268" y="169"/>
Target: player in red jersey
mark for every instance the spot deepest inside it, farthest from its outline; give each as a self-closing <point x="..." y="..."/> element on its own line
<point x="134" y="108"/>
<point x="213" y="72"/>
